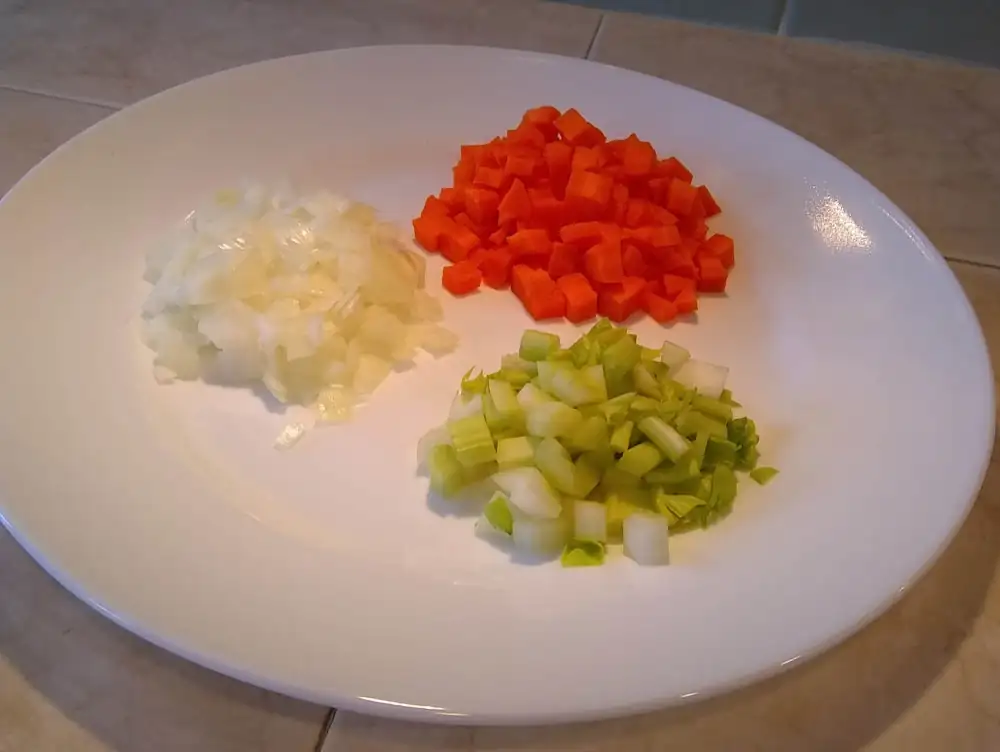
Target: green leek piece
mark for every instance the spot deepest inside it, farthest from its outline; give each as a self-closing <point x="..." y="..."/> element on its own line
<point x="724" y="486"/>
<point x="536" y="345"/>
<point x="666" y="438"/>
<point x="616" y="410"/>
<point x="615" y="481"/>
<point x="587" y="474"/>
<point x="679" y="505"/>
<point x="447" y="476"/>
<point x="763" y="475"/>
<point x="599" y="328"/>
<point x="498" y="514"/>
<point x="640" y="459"/>
<point x="743" y="433"/>
<point x="590" y="435"/>
<point x="618" y="360"/>
<point x="649" y="354"/>
<point x="515" y="452"/>
<point x="713" y="408"/>
<point x="504" y="401"/>
<point x="584" y="352"/>
<point x="552" y="419"/>
<point x="472" y="440"/>
<point x="473" y="384"/>
<point x="645" y="383"/>
<point x="727" y="397"/>
<point x="642" y="406"/>
<point x="515" y="362"/>
<point x="555" y="464"/>
<point x="691" y="422"/>
<point x="572" y="386"/>
<point x="720" y="452"/>
<point x="530" y="396"/>
<point x="621" y="438"/>
<point x="583" y="553"/>
<point x="600" y="459"/>
<point x="683" y="471"/>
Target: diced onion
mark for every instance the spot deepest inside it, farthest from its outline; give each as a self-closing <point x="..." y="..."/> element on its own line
<point x="707" y="378"/>
<point x="645" y="535"/>
<point x="310" y="295"/>
<point x="590" y="520"/>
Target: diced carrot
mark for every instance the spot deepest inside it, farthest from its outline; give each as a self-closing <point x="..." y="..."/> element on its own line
<point x="466" y="221"/>
<point x="619" y="204"/>
<point x="686" y="301"/>
<point x="633" y="263"/>
<point x="434" y="206"/>
<point x="586" y="158"/>
<point x="463" y="172"/>
<point x="672" y="167"/>
<point x="674" y="285"/>
<point x="477" y="257"/>
<point x="457" y="242"/>
<point x="708" y="201"/>
<point x="603" y="262"/>
<point x="721" y="246"/>
<point x="577" y="130"/>
<point x="637" y="213"/>
<point x="639" y="157"/>
<point x="622" y="300"/>
<point x="547" y="210"/>
<point x="453" y="198"/>
<point x="565" y="259"/>
<point x="530" y="243"/>
<point x="489" y="177"/>
<point x="653" y="236"/>
<point x="558" y="158"/>
<point x="550" y="305"/>
<point x="499" y="236"/>
<point x="679" y="261"/>
<point x="586" y="234"/>
<point x="681" y="197"/>
<point x="659" y="308"/>
<point x="515" y="204"/>
<point x="472" y="153"/>
<point x="655" y="286"/>
<point x="543" y="119"/>
<point x="481" y="205"/>
<point x="461" y="278"/>
<point x="581" y="299"/>
<point x="520" y="164"/>
<point x="495" y="267"/>
<point x="526" y="134"/>
<point x="429" y="230"/>
<point x="520" y="280"/>
<point x="712" y="275"/>
<point x="658" y="190"/>
<point x="661" y="216"/>
<point x="589" y="192"/>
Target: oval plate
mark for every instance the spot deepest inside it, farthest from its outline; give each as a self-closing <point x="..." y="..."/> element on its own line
<point x="324" y="572"/>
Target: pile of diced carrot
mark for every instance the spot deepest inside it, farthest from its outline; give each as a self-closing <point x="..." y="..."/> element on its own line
<point x="575" y="224"/>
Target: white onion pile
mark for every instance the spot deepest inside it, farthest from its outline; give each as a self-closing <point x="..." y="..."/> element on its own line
<point x="310" y="295"/>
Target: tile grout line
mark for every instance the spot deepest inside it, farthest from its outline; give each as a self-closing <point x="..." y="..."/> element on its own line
<point x="61" y="97"/>
<point x="597" y="33"/>
<point x="970" y="262"/>
<point x="324" y="731"/>
<point x="782" y="30"/>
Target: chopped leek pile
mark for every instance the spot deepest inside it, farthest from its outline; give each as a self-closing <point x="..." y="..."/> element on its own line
<point x="604" y="441"/>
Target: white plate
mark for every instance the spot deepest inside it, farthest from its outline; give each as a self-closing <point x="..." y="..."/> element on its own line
<point x="323" y="572"/>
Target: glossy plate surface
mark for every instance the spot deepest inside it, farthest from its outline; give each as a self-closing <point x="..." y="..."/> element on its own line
<point x="323" y="572"/>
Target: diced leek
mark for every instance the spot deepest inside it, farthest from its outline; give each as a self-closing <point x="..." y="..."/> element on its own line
<point x="590" y="520"/>
<point x="691" y="422"/>
<point x="684" y="470"/>
<point x="649" y="354"/>
<point x="537" y="345"/>
<point x="508" y="412"/>
<point x="576" y="387"/>
<point x="645" y="383"/>
<point x="679" y="505"/>
<point x="671" y="443"/>
<point x="541" y="537"/>
<point x="724" y="485"/>
<point x="515" y="452"/>
<point x="590" y="435"/>
<point x="555" y="464"/>
<point x="472" y="440"/>
<point x="640" y="459"/>
<point x="498" y="514"/>
<point x="713" y="408"/>
<point x="447" y="475"/>
<point x="600" y="459"/>
<point x="428" y="441"/>
<point x="531" y="396"/>
<point x="583" y="553"/>
<point x="621" y="437"/>
<point x="527" y="489"/>
<point x="673" y="355"/>
<point x="743" y="433"/>
<point x="465" y="405"/>
<point x="618" y="360"/>
<point x="515" y="362"/>
<point x="586" y="475"/>
<point x="474" y="382"/>
<point x="727" y="397"/>
<point x="646" y="538"/>
<point x="707" y="378"/>
<point x="616" y="410"/>
<point x="584" y="353"/>
<point x="643" y="406"/>
<point x="763" y="475"/>
<point x="720" y="452"/>
<point x="552" y="419"/>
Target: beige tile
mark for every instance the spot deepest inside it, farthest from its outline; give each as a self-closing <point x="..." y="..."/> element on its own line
<point x="924" y="677"/>
<point x="925" y="132"/>
<point x="121" y="50"/>
<point x="32" y="126"/>
<point x="72" y="680"/>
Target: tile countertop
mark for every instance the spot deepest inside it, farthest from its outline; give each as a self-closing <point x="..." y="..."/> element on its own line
<point x="926" y="676"/>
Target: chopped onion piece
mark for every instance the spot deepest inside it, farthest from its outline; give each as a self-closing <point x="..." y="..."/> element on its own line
<point x="646" y="538"/>
<point x="707" y="378"/>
